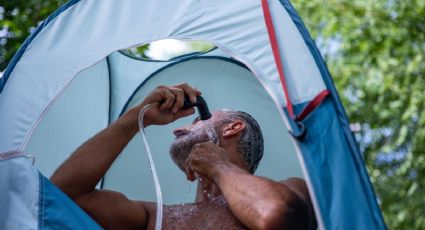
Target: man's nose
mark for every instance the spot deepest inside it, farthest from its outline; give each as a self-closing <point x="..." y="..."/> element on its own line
<point x="180" y="131"/>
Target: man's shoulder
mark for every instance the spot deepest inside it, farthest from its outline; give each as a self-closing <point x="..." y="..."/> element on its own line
<point x="297" y="185"/>
<point x="293" y="180"/>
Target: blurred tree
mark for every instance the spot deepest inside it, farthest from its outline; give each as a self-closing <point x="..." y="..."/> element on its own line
<point x="17" y="20"/>
<point x="376" y="53"/>
<point x="169" y="49"/>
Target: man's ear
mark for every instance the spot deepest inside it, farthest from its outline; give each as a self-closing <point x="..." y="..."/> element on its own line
<point x="233" y="128"/>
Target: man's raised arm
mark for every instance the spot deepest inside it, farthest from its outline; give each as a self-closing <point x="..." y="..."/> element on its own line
<point x="80" y="173"/>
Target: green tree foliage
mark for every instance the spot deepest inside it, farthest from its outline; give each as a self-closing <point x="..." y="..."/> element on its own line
<point x="185" y="48"/>
<point x="17" y="19"/>
<point x="375" y="50"/>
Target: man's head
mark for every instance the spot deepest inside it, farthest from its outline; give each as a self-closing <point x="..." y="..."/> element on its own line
<point x="234" y="129"/>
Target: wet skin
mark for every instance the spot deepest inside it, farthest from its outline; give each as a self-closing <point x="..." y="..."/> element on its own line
<point x="236" y="199"/>
<point x="214" y="214"/>
<point x="209" y="212"/>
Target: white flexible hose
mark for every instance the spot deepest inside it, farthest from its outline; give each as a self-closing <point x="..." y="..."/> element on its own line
<point x="158" y="223"/>
<point x="159" y="209"/>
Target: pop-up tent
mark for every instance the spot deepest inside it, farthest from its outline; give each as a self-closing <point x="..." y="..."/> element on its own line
<point x="69" y="80"/>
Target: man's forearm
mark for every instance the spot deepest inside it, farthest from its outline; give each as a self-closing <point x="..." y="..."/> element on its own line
<point x="80" y="173"/>
<point x="89" y="163"/>
<point x="257" y="202"/>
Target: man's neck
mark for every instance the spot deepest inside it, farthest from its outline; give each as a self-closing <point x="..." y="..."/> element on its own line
<point x="206" y="191"/>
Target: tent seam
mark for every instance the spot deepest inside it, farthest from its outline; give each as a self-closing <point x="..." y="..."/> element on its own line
<point x="41" y="202"/>
<point x="125" y="107"/>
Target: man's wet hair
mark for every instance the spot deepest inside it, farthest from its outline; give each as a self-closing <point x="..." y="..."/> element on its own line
<point x="251" y="144"/>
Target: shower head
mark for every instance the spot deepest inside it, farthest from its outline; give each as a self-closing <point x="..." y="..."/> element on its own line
<point x="201" y="105"/>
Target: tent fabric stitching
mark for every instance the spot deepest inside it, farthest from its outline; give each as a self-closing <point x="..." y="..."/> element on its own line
<point x="276" y="54"/>
<point x="40" y="117"/>
<point x="108" y="64"/>
<point x="11" y="154"/>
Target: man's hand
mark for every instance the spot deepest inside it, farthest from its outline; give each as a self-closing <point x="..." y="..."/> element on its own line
<point x="204" y="160"/>
<point x="166" y="103"/>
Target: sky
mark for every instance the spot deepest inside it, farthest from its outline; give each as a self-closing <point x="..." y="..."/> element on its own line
<point x="167" y="49"/>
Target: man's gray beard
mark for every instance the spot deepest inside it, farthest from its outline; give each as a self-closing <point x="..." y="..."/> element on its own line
<point x="182" y="146"/>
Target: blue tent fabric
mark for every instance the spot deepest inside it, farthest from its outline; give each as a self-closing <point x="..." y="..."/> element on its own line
<point x="58" y="211"/>
<point x="28" y="200"/>
<point x="336" y="177"/>
<point x="326" y="168"/>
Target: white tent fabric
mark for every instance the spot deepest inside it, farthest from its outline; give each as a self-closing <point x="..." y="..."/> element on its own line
<point x="237" y="27"/>
<point x="81" y="111"/>
<point x="19" y="192"/>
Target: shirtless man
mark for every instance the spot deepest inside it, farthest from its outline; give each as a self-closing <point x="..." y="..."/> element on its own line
<point x="229" y="196"/>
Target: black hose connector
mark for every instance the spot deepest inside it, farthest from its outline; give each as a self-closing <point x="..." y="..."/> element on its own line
<point x="201" y="105"/>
